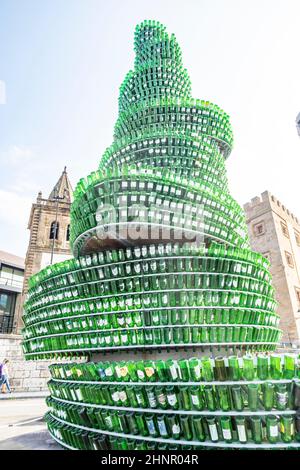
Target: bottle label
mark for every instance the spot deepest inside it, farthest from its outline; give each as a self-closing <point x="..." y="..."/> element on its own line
<point x="124" y="337"/>
<point x="140" y="374"/>
<point x="139" y="399"/>
<point x="172" y="399"/>
<point x="151" y="427"/>
<point x="195" y="400"/>
<point x="213" y="432"/>
<point x="175" y="429"/>
<point x="282" y="398"/>
<point x="108" y="421"/>
<point x="197" y="372"/>
<point x="162" y="428"/>
<point x="241" y="433"/>
<point x="274" y="431"/>
<point x="79" y="394"/>
<point x="109" y="372"/>
<point x="162" y="399"/>
<point x="123" y="371"/>
<point x="68" y="373"/>
<point x="123" y="396"/>
<point x="115" y="396"/>
<point x="149" y="371"/>
<point x="152" y="399"/>
<point x="173" y="371"/>
<point x="227" y="434"/>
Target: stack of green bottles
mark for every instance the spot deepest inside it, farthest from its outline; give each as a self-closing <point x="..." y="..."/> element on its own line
<point x="249" y="367"/>
<point x="164" y="201"/>
<point x="164" y="295"/>
<point x="239" y="429"/>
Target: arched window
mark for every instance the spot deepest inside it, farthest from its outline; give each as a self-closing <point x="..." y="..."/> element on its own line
<point x="54" y="231"/>
<point x="68" y="233"/>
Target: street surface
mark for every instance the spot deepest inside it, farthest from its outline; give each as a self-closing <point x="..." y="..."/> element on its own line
<point x="22" y="426"/>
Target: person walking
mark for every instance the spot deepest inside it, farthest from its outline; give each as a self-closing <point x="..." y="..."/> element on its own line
<point x="4" y="377"/>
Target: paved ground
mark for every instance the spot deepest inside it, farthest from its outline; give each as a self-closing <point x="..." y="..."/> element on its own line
<point x="14" y="395"/>
<point x="22" y="426"/>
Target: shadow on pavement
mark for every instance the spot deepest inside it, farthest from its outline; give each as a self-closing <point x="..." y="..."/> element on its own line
<point x="31" y="441"/>
<point x="28" y="422"/>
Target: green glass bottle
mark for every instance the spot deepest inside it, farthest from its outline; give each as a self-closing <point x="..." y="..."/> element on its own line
<point x="123" y="422"/>
<point x="212" y="429"/>
<point x="161" y="397"/>
<point x="150" y="423"/>
<point x="150" y="371"/>
<point x="195" y="369"/>
<point x="287" y="429"/>
<point x="281" y="396"/>
<point x="237" y="397"/>
<point x="184" y="370"/>
<point x="173" y="426"/>
<point x="234" y="368"/>
<point x="289" y="371"/>
<point x="220" y="371"/>
<point x="130" y="390"/>
<point x="256" y="429"/>
<point x="172" y="397"/>
<point x="186" y="427"/>
<point x="131" y="422"/>
<point x="296" y="394"/>
<point x="161" y="371"/>
<point x="253" y="396"/>
<point x="172" y="370"/>
<point x="196" y="398"/>
<point x="210" y="398"/>
<point x="198" y="428"/>
<point x="275" y="367"/>
<point x="132" y="372"/>
<point x="226" y="428"/>
<point x="161" y="425"/>
<point x="248" y="367"/>
<point x="268" y="395"/>
<point x="224" y="398"/>
<point x="262" y="367"/>
<point x="140" y="371"/>
<point x="140" y="397"/>
<point x="207" y="370"/>
<point x="151" y="396"/>
<point x="241" y="429"/>
<point x="272" y="429"/>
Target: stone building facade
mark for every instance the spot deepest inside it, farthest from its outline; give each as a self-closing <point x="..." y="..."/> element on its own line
<point x="49" y="224"/>
<point x="275" y="232"/>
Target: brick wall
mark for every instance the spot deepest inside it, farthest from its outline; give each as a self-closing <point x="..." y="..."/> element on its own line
<point x="24" y="375"/>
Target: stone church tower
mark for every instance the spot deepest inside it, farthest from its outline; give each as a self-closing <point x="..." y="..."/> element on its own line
<point x="49" y="225"/>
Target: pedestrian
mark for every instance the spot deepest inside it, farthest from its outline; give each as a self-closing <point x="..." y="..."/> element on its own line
<point x="4" y="377"/>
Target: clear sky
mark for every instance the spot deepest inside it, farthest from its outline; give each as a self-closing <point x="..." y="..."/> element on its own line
<point x="62" y="62"/>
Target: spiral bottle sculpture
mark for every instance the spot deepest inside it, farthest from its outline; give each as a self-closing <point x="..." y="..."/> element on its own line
<point x="162" y="277"/>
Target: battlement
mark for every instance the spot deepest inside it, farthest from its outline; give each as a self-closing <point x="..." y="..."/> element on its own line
<point x="267" y="198"/>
